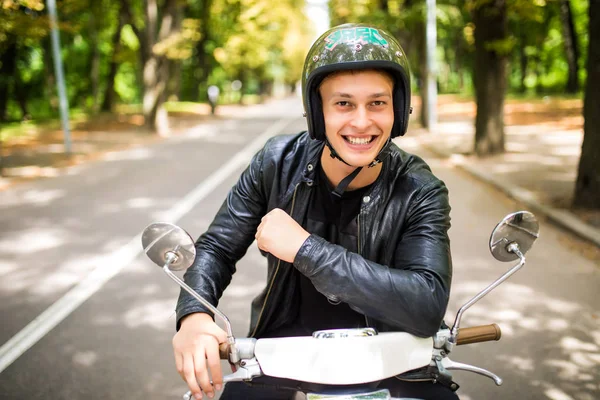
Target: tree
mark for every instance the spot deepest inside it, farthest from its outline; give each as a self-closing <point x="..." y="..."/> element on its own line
<point x="8" y="65"/>
<point x="267" y="41"/>
<point x="491" y="48"/>
<point x="109" y="91"/>
<point x="154" y="26"/>
<point x="18" y="24"/>
<point x="21" y="26"/>
<point x="528" y="22"/>
<point x="160" y="26"/>
<point x="571" y="48"/>
<point x="203" y="61"/>
<point x="587" y="186"/>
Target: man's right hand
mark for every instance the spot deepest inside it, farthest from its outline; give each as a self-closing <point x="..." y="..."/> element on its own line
<point x="196" y="347"/>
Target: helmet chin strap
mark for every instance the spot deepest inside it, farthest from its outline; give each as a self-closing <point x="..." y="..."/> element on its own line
<point x="343" y="185"/>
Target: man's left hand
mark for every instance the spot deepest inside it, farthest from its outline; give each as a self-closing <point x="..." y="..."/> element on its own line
<point x="280" y="235"/>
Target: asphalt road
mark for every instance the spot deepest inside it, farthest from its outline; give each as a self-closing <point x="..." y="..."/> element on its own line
<point x="71" y="243"/>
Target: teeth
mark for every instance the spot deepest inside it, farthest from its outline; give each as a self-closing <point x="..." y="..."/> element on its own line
<point x="359" y="140"/>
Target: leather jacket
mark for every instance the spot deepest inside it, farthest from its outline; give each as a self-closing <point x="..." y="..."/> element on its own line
<point x="400" y="277"/>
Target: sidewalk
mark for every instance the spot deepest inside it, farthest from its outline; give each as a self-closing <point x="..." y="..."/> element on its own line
<point x="538" y="169"/>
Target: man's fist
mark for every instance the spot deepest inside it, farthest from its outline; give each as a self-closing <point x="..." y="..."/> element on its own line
<point x="280" y="235"/>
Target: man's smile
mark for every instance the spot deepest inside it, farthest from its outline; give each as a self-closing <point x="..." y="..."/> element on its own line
<point x="359" y="140"/>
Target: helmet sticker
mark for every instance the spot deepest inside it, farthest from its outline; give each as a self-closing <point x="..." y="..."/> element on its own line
<point x="353" y="36"/>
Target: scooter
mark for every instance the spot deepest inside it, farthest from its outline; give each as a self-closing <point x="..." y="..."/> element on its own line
<point x="347" y="364"/>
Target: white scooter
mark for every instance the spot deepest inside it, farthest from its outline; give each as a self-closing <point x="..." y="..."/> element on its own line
<point x="347" y="364"/>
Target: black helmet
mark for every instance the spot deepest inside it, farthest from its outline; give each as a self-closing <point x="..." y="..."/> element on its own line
<point x="354" y="47"/>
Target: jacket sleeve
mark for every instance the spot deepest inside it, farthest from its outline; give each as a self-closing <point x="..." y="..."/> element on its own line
<point x="410" y="295"/>
<point x="226" y="241"/>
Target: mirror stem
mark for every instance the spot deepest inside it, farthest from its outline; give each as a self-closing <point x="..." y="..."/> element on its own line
<point x="233" y="353"/>
<point x="512" y="248"/>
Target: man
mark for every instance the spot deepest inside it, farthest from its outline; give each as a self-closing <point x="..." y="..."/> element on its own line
<point x="354" y="229"/>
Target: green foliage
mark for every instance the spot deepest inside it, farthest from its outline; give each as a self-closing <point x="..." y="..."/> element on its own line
<point x="264" y="34"/>
<point x="126" y="84"/>
<point x="538" y="36"/>
<point x="405" y="19"/>
<point x="22" y="20"/>
<point x="259" y="42"/>
<point x="503" y="47"/>
<point x="534" y="30"/>
<point x="181" y="45"/>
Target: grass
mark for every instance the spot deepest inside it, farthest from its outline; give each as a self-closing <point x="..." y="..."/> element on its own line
<point x="14" y="130"/>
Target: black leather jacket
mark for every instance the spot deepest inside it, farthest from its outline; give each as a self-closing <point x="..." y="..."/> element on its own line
<point x="400" y="277"/>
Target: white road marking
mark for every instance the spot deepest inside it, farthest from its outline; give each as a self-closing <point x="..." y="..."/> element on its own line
<point x="112" y="264"/>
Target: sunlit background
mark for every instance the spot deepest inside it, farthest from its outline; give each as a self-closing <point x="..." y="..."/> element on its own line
<point x="138" y="74"/>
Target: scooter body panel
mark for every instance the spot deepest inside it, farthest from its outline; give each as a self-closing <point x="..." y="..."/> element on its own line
<point x="343" y="361"/>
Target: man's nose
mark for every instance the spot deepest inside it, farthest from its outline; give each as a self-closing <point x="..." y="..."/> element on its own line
<point x="362" y="119"/>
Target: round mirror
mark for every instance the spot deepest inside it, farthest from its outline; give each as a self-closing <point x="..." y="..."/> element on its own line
<point x="160" y="238"/>
<point x="521" y="227"/>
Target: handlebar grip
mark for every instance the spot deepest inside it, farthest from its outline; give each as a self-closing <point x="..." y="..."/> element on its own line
<point x="477" y="334"/>
<point x="224" y="351"/>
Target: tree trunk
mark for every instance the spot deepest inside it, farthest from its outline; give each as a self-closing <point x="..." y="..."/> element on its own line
<point x="457" y="64"/>
<point x="204" y="61"/>
<point x="7" y="72"/>
<point x="1" y="157"/>
<point x="571" y="48"/>
<point x="489" y="77"/>
<point x="50" y="91"/>
<point x="539" y="66"/>
<point x="242" y="77"/>
<point x="95" y="63"/>
<point x="156" y="66"/>
<point x="174" y="86"/>
<point x="21" y="92"/>
<point x="143" y="54"/>
<point x="523" y="60"/>
<point x="109" y="93"/>
<point x="421" y="44"/>
<point x="587" y="187"/>
<point x="150" y="65"/>
<point x="540" y="71"/>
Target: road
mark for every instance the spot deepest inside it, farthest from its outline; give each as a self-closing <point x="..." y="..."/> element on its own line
<point x="86" y="316"/>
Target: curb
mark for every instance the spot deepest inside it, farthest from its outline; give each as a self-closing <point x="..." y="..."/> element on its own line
<point x="562" y="218"/>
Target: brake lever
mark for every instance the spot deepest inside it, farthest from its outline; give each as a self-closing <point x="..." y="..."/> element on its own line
<point x="449" y="365"/>
<point x="248" y="370"/>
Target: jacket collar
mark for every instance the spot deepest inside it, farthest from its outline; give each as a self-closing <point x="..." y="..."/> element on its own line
<point x="313" y="156"/>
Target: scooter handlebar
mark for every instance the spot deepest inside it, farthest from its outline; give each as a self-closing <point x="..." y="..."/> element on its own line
<point x="478" y="334"/>
<point x="474" y="334"/>
<point x="224" y="351"/>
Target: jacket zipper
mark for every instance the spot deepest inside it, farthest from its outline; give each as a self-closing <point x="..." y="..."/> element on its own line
<point x="359" y="252"/>
<point x="276" y="271"/>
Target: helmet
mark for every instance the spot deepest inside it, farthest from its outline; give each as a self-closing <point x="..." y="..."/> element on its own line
<point x="354" y="47"/>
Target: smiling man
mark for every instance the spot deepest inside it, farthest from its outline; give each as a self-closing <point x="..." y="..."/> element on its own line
<point x="354" y="229"/>
<point x="359" y="115"/>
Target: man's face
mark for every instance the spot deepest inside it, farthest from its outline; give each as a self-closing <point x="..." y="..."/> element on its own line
<point x="359" y="114"/>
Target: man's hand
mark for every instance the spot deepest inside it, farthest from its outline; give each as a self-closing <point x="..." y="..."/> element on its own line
<point x="196" y="347"/>
<point x="280" y="235"/>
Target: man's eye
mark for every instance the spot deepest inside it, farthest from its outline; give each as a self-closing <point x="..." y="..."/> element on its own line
<point x="343" y="103"/>
<point x="378" y="103"/>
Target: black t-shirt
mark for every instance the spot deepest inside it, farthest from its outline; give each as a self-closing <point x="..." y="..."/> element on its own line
<point x="335" y="220"/>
